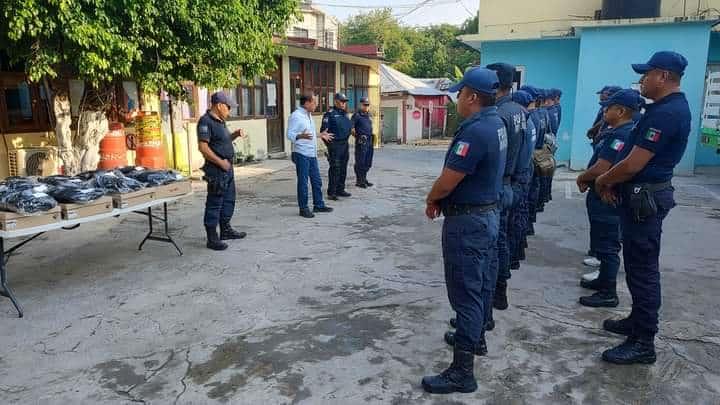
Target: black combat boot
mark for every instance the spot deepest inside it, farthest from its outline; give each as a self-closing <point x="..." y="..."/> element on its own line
<point x="605" y="298"/>
<point x="459" y="377"/>
<point x="635" y="350"/>
<point x="500" y="301"/>
<point x="344" y="194"/>
<point x="367" y="183"/>
<point x="213" y="240"/>
<point x="360" y="181"/>
<point x="591" y="284"/>
<point x="480" y="350"/>
<point x="306" y="213"/>
<point x="619" y="326"/>
<point x="228" y="233"/>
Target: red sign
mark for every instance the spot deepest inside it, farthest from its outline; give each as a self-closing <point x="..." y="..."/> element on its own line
<point x="417" y="115"/>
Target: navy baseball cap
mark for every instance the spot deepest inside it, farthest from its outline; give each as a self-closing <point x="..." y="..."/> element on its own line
<point x="480" y="79"/>
<point x="365" y="101"/>
<point x="556" y="93"/>
<point x="220" y="97"/>
<point x="523" y="98"/>
<point x="663" y="60"/>
<point x="505" y="73"/>
<point x="627" y="98"/>
<point x="531" y="90"/>
<point x="341" y="97"/>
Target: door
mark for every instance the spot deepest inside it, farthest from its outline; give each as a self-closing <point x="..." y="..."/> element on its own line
<point x="389" y="120"/>
<point x="710" y="135"/>
<point x="274" y="112"/>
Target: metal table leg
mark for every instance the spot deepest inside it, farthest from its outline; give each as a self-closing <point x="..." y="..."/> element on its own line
<point x="162" y="237"/>
<point x="5" y="290"/>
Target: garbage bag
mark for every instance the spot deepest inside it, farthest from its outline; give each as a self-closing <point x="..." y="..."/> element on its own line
<point x="25" y="196"/>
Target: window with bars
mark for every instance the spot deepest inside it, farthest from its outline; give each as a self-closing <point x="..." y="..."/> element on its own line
<point x="250" y="98"/>
<point x="312" y="75"/>
<point x="354" y="82"/>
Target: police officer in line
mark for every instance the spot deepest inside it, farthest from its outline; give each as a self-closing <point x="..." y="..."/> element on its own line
<point x="605" y="218"/>
<point x="595" y="132"/>
<point x="550" y="139"/>
<point x="539" y="120"/>
<point x="362" y="130"/>
<point x="514" y="119"/>
<point x="466" y="193"/>
<point x="337" y="123"/>
<point x="521" y="184"/>
<point x="641" y="183"/>
<point x="215" y="143"/>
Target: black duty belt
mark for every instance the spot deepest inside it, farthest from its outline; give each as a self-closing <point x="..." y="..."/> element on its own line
<point x="629" y="188"/>
<point x="466" y="209"/>
<point x="506" y="180"/>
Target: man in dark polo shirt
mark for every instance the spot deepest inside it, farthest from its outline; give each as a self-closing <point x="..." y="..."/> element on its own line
<point x="215" y="144"/>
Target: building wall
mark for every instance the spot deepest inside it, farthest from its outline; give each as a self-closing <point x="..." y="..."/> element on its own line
<point x="705" y="155"/>
<point x="533" y="19"/>
<point x="22" y="140"/>
<point x="316" y="23"/>
<point x="605" y="58"/>
<point x="547" y="63"/>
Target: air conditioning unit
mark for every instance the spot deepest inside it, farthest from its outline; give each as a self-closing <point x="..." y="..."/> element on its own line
<point x="33" y="162"/>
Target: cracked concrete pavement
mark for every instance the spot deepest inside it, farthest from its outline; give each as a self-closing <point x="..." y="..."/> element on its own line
<point x="348" y="307"/>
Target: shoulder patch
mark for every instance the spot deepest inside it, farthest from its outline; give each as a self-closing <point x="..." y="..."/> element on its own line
<point x="653" y="135"/>
<point x="617" y="145"/>
<point x="462" y="148"/>
<point x="203" y="129"/>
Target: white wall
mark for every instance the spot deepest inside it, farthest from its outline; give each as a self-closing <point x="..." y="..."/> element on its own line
<point x="395" y="103"/>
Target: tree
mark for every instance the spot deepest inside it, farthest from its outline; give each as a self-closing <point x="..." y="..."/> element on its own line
<point x="159" y="44"/>
<point x="420" y="52"/>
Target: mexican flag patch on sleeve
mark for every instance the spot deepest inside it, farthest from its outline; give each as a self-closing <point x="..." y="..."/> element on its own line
<point x="617" y="145"/>
<point x="462" y="149"/>
<point x="653" y="135"/>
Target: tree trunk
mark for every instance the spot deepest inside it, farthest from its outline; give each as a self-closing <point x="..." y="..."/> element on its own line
<point x="61" y="108"/>
<point x="94" y="126"/>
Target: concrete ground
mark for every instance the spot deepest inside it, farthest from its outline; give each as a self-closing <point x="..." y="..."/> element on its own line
<point x="345" y="308"/>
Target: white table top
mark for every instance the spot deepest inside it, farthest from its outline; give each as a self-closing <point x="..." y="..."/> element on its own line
<point x="72" y="222"/>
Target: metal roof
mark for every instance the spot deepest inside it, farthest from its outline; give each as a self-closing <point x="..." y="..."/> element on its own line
<point x="393" y="81"/>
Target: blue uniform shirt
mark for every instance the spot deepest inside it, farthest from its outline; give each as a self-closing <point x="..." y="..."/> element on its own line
<point x="663" y="130"/>
<point x="478" y="150"/>
<point x="611" y="144"/>
<point x="337" y="123"/>
<point x="362" y="123"/>
<point x="599" y="116"/>
<point x="553" y="120"/>
<point x="215" y="133"/>
<point x="527" y="147"/>
<point x="539" y="119"/>
<point x="515" y="121"/>
<point x="559" y="114"/>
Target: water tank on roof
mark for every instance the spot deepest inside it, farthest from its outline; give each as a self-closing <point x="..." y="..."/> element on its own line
<point x="619" y="9"/>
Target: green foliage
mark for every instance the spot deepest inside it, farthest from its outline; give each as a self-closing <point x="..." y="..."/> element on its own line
<point x="420" y="52"/>
<point x="158" y="43"/>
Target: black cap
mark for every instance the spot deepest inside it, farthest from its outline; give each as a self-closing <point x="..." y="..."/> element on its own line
<point x="341" y="97"/>
<point x="505" y="73"/>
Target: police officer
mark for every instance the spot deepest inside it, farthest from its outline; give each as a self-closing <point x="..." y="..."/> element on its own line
<point x="550" y="138"/>
<point x="466" y="193"/>
<point x="539" y="120"/>
<point x="336" y="123"/>
<point x="641" y="180"/>
<point x="215" y="144"/>
<point x="605" y="218"/>
<point x="521" y="182"/>
<point x="362" y="130"/>
<point x="603" y="95"/>
<point x="515" y="122"/>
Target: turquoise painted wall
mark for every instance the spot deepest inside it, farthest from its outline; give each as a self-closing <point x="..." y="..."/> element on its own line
<point x="605" y="57"/>
<point x="548" y="63"/>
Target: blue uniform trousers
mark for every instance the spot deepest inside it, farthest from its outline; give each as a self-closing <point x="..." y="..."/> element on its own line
<point x="363" y="156"/>
<point x="533" y="200"/>
<point x="500" y="255"/>
<point x="220" y="202"/>
<point x="604" y="238"/>
<point x="307" y="167"/>
<point x="519" y="218"/>
<point x="641" y="253"/>
<point x="338" y="157"/>
<point x="468" y="242"/>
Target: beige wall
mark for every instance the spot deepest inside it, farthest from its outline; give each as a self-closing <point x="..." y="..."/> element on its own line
<point x="534" y="19"/>
<point x="317" y="24"/>
<point x="23" y="140"/>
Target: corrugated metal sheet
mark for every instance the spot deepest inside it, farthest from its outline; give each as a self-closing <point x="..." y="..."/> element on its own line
<point x="393" y="81"/>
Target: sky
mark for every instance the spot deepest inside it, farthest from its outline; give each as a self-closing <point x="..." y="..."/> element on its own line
<point x="427" y="12"/>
